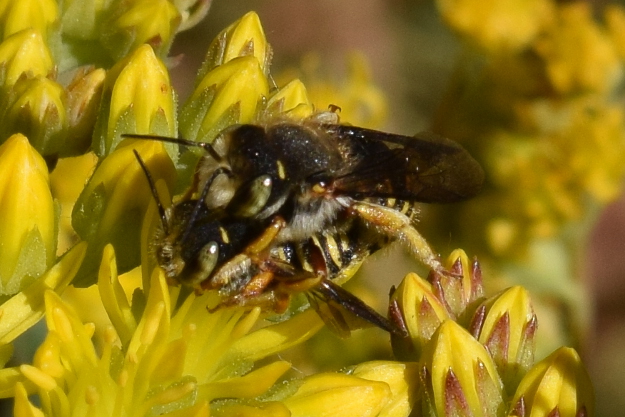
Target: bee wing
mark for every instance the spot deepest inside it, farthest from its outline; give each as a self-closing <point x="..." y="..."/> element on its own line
<point x="343" y="312"/>
<point x="424" y="168"/>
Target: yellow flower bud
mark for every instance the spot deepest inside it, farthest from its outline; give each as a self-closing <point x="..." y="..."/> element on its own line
<point x="27" y="219"/>
<point x="245" y="37"/>
<point x="506" y="325"/>
<point x="83" y="100"/>
<point x="36" y="108"/>
<point x="227" y="95"/>
<point x="112" y="205"/>
<point x="136" y="22"/>
<point x="338" y="395"/>
<point x="421" y="313"/>
<point x="461" y="286"/>
<point x="16" y="15"/>
<point x="137" y="98"/>
<point x="461" y="378"/>
<point x="24" y="53"/>
<point x="403" y="380"/>
<point x="558" y="383"/>
<point x="291" y="100"/>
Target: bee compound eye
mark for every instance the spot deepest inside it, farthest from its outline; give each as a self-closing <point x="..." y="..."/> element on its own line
<point x="251" y="198"/>
<point x="207" y="258"/>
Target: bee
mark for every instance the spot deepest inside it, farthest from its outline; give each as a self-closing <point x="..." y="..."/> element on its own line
<point x="279" y="208"/>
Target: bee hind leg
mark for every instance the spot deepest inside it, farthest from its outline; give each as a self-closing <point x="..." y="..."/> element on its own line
<point x="397" y="225"/>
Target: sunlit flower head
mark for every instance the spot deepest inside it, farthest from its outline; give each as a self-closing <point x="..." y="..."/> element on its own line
<point x="167" y="359"/>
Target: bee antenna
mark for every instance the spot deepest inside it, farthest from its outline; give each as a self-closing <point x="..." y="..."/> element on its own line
<point x="200" y="201"/>
<point x="178" y="141"/>
<point x="148" y="176"/>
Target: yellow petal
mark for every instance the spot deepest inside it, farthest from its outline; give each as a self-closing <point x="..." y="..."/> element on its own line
<point x="24" y="309"/>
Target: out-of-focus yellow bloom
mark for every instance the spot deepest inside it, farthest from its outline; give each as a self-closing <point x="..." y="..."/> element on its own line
<point x="36" y="108"/>
<point x="26" y="53"/>
<point x="360" y="101"/>
<point x="506" y="325"/>
<point x="227" y="95"/>
<point x="291" y="100"/>
<point x="27" y="216"/>
<point x="83" y="100"/>
<point x="16" y="15"/>
<point x="137" y="98"/>
<point x="615" y="22"/>
<point x="461" y="377"/>
<point x="137" y="22"/>
<point x="493" y="24"/>
<point x="558" y="384"/>
<point x="245" y="37"/>
<point x="176" y="358"/>
<point x="579" y="56"/>
<point x="20" y="312"/>
<point x="114" y="202"/>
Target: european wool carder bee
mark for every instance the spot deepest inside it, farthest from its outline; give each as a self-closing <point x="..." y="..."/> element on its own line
<point x="281" y="207"/>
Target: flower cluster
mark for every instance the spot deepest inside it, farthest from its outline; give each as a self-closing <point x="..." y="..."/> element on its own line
<point x="536" y="99"/>
<point x="547" y="84"/>
<point x="119" y="340"/>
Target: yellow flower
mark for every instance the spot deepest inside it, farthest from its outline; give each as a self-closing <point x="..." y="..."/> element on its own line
<point x="461" y="378"/>
<point x="112" y="205"/>
<point x="402" y="379"/>
<point x="27" y="218"/>
<point x="557" y="384"/>
<point x="615" y="22"/>
<point x="24" y="309"/>
<point x="83" y="100"/>
<point x="137" y="98"/>
<point x="16" y="15"/>
<point x="291" y="100"/>
<point x="506" y="325"/>
<point x="422" y="312"/>
<point x="226" y="95"/>
<point x="137" y="22"/>
<point x="360" y="101"/>
<point x="169" y="361"/>
<point x="26" y="53"/>
<point x="333" y="394"/>
<point x="245" y="37"/>
<point x="578" y="54"/>
<point x="36" y="107"/>
<point x="492" y="24"/>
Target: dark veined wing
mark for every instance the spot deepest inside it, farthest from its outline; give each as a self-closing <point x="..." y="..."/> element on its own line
<point x="424" y="168"/>
<point x="343" y="312"/>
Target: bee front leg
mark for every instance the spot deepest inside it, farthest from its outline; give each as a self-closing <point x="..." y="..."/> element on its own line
<point x="397" y="225"/>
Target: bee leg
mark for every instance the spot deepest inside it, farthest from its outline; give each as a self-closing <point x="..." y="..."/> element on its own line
<point x="268" y="236"/>
<point x="395" y="224"/>
<point x="257" y="293"/>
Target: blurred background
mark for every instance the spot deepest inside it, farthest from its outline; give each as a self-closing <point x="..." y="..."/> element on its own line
<point x="534" y="89"/>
